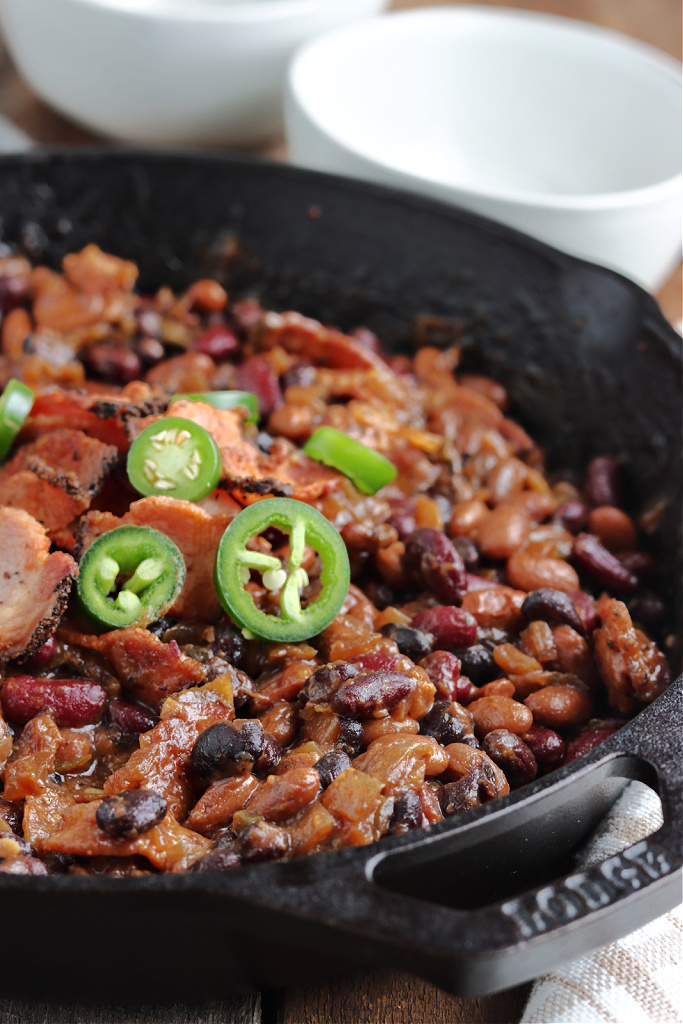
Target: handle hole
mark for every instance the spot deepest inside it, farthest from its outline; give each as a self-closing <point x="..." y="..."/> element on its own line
<point x="523" y="849"/>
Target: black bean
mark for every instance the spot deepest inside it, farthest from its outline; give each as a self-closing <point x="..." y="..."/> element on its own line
<point x="263" y="841"/>
<point x="223" y="746"/>
<point x="512" y="755"/>
<point x="270" y="756"/>
<point x="150" y="351"/>
<point x="478" y="664"/>
<point x="23" y="865"/>
<point x="549" y="605"/>
<point x="647" y="610"/>
<point x="325" y="681"/>
<point x="159" y="626"/>
<point x="407" y="812"/>
<point x="12" y="814"/>
<point x="478" y="786"/>
<point x="127" y="815"/>
<point x="218" y="859"/>
<point x="350" y="736"/>
<point x="468" y="551"/>
<point x="331" y="765"/>
<point x="228" y="643"/>
<point x="573" y="515"/>
<point x="414" y="643"/>
<point x="447" y="723"/>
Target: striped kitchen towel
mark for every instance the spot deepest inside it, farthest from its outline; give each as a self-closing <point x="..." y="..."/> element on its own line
<point x="636" y="980"/>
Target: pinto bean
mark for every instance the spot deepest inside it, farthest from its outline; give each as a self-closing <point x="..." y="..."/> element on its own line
<point x="281" y="721"/>
<point x="614" y="528"/>
<point x="373" y="728"/>
<point x="529" y="572"/>
<point x="282" y="796"/>
<point x="506" y="527"/>
<point x="467" y="516"/>
<point x="499" y="712"/>
<point x="559" y="707"/>
<point x="512" y="755"/>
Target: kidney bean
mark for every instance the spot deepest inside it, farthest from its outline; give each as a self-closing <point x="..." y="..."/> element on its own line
<point x="270" y="756"/>
<point x="73" y="702"/>
<point x="614" y="528"/>
<point x="433" y="561"/>
<point x="443" y="669"/>
<point x="586" y="608"/>
<point x="129" y="717"/>
<point x="331" y="765"/>
<point x="585" y="742"/>
<point x="129" y="814"/>
<point x="546" y="745"/>
<point x="642" y="564"/>
<point x="498" y="712"/>
<point x="512" y="755"/>
<point x="14" y="291"/>
<point x="112" y="362"/>
<point x="468" y="551"/>
<point x="407" y="812"/>
<point x="371" y="691"/>
<point x="451" y="627"/>
<point x="218" y="341"/>
<point x="255" y="374"/>
<point x="262" y="841"/>
<point x="465" y="691"/>
<point x="559" y="707"/>
<point x="325" y="681"/>
<point x="150" y="351"/>
<point x="41" y="657"/>
<point x="350" y="736"/>
<point x="594" y="558"/>
<point x="222" y="746"/>
<point x="550" y="605"/>
<point x="414" y="643"/>
<point x="219" y="859"/>
<point x="573" y="515"/>
<point x="601" y="481"/>
<point x="282" y="796"/>
<point x="447" y="723"/>
<point x="12" y="814"/>
<point x="281" y="720"/>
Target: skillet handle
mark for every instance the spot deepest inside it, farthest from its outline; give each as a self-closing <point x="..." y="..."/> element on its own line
<point x="479" y="951"/>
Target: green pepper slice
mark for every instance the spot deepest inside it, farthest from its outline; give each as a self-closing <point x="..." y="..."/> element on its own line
<point x="366" y="469"/>
<point x="227" y="400"/>
<point x="305" y="525"/>
<point x="132" y="574"/>
<point x="15" y="405"/>
<point x="175" y="457"/>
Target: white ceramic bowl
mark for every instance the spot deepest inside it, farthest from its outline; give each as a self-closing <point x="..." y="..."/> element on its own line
<point x="567" y="131"/>
<point x="168" y="71"/>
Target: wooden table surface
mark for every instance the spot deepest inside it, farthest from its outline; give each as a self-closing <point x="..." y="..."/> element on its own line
<point x="373" y="996"/>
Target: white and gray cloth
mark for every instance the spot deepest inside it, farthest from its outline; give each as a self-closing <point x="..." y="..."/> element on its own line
<point x="637" y="980"/>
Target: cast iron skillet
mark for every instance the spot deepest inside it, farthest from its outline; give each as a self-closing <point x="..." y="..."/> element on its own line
<point x="488" y="899"/>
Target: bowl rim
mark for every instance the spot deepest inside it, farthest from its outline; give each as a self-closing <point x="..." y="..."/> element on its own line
<point x="207" y="13"/>
<point x="658" y="60"/>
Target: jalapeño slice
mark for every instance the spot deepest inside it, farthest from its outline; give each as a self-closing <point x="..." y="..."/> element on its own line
<point x="226" y="400"/>
<point x="365" y="468"/>
<point x="130" y="575"/>
<point x="175" y="457"/>
<point x="15" y="405"/>
<point x="305" y="525"/>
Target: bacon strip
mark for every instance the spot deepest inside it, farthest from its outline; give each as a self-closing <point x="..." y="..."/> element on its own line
<point x="34" y="584"/>
<point x="325" y="346"/>
<point x="55" y="477"/>
<point x="197" y="534"/>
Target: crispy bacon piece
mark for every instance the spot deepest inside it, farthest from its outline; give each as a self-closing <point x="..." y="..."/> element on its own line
<point x="95" y="287"/>
<point x="44" y="814"/>
<point x="632" y="667"/>
<point x="5" y="742"/>
<point x="325" y="346"/>
<point x="162" y="762"/>
<point x="27" y="773"/>
<point x="144" y="664"/>
<point x="168" y="846"/>
<point x="197" y="534"/>
<point x="101" y="413"/>
<point x="248" y="472"/>
<point x="34" y="584"/>
<point x="55" y="477"/>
